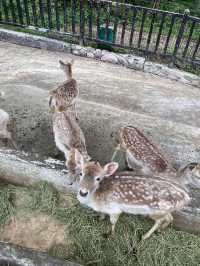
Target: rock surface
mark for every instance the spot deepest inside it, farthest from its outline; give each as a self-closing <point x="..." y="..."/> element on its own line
<point x="14" y="255"/>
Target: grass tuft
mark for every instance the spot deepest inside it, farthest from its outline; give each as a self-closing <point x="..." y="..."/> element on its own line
<point x="44" y="198"/>
<point x="6" y="207"/>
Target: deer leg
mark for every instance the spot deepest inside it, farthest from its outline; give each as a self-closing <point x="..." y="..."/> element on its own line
<point x="75" y="111"/>
<point x="113" y="220"/>
<point x="115" y="152"/>
<point x="166" y="222"/>
<point x="158" y="222"/>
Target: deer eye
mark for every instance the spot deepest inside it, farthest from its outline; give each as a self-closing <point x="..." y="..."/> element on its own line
<point x="98" y="179"/>
<point x="80" y="174"/>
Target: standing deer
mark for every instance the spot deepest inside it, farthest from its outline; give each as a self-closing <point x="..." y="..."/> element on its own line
<point x="69" y="136"/>
<point x="141" y="153"/>
<point x="64" y="96"/>
<point x="109" y="193"/>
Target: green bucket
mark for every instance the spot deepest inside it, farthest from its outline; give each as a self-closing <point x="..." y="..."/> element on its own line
<point x="102" y="33"/>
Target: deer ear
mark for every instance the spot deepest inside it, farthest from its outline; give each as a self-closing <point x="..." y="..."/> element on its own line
<point x="110" y="168"/>
<point x="79" y="159"/>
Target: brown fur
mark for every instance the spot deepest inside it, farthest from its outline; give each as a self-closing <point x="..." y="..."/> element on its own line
<point x="134" y="141"/>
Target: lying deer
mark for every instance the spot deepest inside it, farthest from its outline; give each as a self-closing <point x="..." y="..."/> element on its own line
<point x="6" y="129"/>
<point x="64" y="96"/>
<point x="109" y="193"/>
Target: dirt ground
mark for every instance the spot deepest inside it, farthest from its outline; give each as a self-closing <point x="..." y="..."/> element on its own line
<point x="110" y="96"/>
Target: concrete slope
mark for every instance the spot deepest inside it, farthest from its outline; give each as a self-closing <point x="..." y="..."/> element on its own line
<point x="103" y="83"/>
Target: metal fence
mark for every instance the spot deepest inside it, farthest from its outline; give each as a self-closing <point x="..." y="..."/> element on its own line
<point x="140" y="29"/>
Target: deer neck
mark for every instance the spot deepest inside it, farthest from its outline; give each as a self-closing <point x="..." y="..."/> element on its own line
<point x="68" y="73"/>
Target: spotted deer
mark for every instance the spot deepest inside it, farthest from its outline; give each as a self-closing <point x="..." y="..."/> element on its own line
<point x="68" y="135"/>
<point x="108" y="192"/>
<point x="6" y="130"/>
<point x="141" y="153"/>
<point x="64" y="96"/>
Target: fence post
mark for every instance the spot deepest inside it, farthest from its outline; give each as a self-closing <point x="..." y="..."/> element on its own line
<point x="180" y="33"/>
<point x="82" y="21"/>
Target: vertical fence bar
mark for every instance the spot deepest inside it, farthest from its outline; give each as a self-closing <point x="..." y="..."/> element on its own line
<point x="41" y="5"/>
<point x="12" y="7"/>
<point x="90" y="18"/>
<point x="5" y="10"/>
<point x="189" y="38"/>
<point x="169" y="33"/>
<point x="134" y="15"/>
<point x="1" y="10"/>
<point x="196" y="49"/>
<point x="160" y="32"/>
<point x="26" y="9"/>
<point x="49" y="14"/>
<point x="180" y="34"/>
<point x="124" y="25"/>
<point x="65" y="15"/>
<point x="57" y="15"/>
<point x="73" y="5"/>
<point x="20" y="14"/>
<point x="116" y="21"/>
<point x="98" y="18"/>
<point x="142" y="27"/>
<point x="35" y="21"/>
<point x="109" y="6"/>
<point x="82" y="23"/>
<point x="150" y="30"/>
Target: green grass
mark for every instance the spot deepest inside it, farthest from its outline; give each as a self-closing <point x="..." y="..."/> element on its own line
<point x="91" y="246"/>
<point x="6" y="207"/>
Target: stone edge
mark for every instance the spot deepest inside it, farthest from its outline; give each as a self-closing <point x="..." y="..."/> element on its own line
<point x="127" y="60"/>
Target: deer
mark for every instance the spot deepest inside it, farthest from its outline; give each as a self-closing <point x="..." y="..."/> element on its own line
<point x="69" y="136"/>
<point x="141" y="153"/>
<point x="64" y="96"/>
<point x="111" y="193"/>
<point x="6" y="129"/>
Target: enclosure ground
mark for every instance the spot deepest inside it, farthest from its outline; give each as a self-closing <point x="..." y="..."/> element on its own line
<point x="110" y="96"/>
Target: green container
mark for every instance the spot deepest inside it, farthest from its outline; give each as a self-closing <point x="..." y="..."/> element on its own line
<point x="102" y="33"/>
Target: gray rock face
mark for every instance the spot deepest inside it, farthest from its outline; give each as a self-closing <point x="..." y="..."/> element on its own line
<point x="110" y="58"/>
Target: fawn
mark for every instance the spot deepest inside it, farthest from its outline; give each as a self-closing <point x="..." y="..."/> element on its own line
<point x="63" y="97"/>
<point x="6" y="129"/>
<point x="109" y="193"/>
<point x="69" y="136"/>
<point x="141" y="153"/>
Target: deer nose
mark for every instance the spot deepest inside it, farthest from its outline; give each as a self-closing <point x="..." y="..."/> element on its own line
<point x="83" y="194"/>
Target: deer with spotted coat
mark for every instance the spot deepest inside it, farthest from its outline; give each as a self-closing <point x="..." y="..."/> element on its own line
<point x="64" y="96"/>
<point x="67" y="133"/>
<point x="144" y="156"/>
<point x="108" y="192"/>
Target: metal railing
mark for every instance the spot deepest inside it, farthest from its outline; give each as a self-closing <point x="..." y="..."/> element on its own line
<point x="140" y="29"/>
